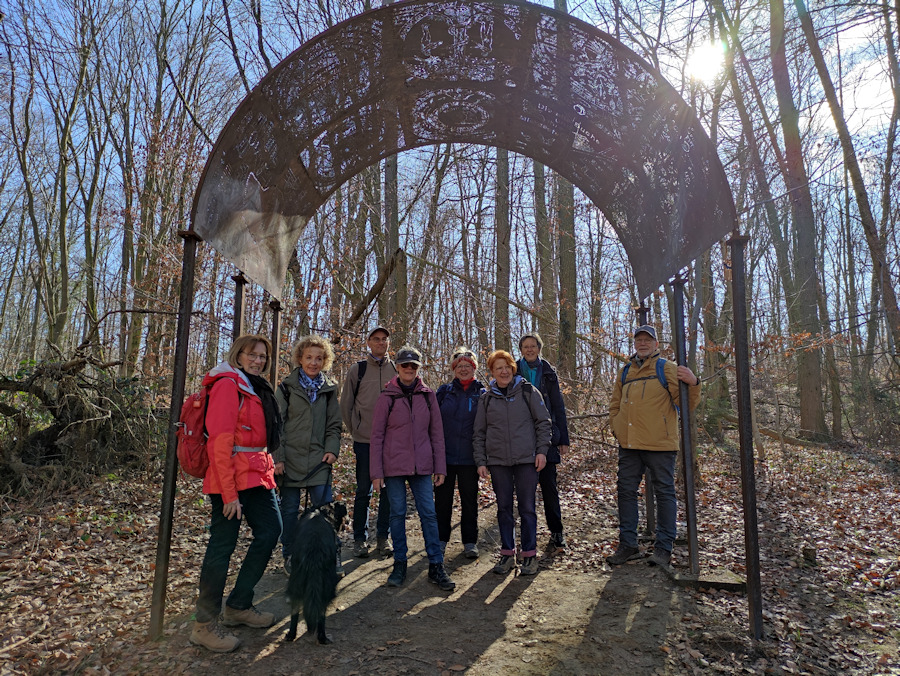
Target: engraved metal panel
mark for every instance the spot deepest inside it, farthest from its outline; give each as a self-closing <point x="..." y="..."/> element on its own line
<point x="507" y="74"/>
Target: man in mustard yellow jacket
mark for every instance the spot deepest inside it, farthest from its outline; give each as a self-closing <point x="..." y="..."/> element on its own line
<point x="644" y="420"/>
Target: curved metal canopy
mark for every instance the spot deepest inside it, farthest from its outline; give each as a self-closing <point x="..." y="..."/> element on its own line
<point x="507" y="74"/>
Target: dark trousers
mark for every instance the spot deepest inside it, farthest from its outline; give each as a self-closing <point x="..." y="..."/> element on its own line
<point x="550" y="493"/>
<point x="632" y="464"/>
<point x="467" y="478"/>
<point x="260" y="508"/>
<point x="520" y="480"/>
<point x="364" y="496"/>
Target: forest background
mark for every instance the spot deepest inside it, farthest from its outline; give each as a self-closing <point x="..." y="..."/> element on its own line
<point x="109" y="110"/>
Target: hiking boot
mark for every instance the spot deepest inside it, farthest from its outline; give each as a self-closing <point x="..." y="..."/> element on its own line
<point x="529" y="566"/>
<point x="623" y="553"/>
<point x="437" y="575"/>
<point x="506" y="563"/>
<point x="398" y="574"/>
<point x="556" y="541"/>
<point x="287" y="566"/>
<point x="213" y="637"/>
<point x="250" y="617"/>
<point x="361" y="549"/>
<point x="660" y="557"/>
<point x="471" y="550"/>
<point x="383" y="547"/>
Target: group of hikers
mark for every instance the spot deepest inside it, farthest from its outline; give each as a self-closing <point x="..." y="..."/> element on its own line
<point x="513" y="430"/>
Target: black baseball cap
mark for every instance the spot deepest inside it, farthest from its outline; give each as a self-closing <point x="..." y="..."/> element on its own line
<point x="409" y="355"/>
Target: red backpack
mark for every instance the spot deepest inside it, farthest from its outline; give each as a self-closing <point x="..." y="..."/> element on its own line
<point x="192" y="436"/>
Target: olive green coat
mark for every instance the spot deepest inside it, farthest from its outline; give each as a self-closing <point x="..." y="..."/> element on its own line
<point x="310" y="430"/>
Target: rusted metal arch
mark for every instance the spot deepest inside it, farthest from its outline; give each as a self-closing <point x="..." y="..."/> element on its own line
<point x="506" y="74"/>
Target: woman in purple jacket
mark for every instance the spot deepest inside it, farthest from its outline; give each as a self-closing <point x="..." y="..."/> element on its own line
<point x="407" y="446"/>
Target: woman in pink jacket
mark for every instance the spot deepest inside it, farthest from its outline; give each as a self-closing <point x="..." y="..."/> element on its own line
<point x="243" y="423"/>
<point x="408" y="448"/>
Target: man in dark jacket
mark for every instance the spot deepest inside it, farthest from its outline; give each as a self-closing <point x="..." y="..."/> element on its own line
<point x="363" y="384"/>
<point x="543" y="376"/>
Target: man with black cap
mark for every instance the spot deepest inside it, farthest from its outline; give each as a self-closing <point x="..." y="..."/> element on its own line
<point x="363" y="384"/>
<point x="644" y="420"/>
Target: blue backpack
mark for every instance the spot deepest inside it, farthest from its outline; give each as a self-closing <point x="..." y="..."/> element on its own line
<point x="660" y="376"/>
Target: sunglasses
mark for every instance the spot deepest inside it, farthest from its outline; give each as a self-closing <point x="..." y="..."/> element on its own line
<point x="414" y="367"/>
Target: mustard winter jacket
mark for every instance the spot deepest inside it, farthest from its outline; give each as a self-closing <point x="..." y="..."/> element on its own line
<point x="642" y="412"/>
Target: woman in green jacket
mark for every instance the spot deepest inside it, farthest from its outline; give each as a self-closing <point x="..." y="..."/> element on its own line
<point x="312" y="434"/>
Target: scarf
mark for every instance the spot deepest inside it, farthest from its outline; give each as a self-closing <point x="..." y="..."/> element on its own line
<point x="270" y="409"/>
<point x="531" y="371"/>
<point x="311" y="385"/>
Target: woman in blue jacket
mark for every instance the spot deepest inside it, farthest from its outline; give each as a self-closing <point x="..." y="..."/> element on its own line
<point x="459" y="404"/>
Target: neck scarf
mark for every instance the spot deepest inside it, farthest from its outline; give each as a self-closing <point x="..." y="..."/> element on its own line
<point x="465" y="383"/>
<point x="530" y="371"/>
<point x="311" y="385"/>
<point x="270" y="409"/>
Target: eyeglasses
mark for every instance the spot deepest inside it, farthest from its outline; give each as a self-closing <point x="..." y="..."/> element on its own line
<point x="252" y="356"/>
<point x="414" y="367"/>
<point x="467" y="353"/>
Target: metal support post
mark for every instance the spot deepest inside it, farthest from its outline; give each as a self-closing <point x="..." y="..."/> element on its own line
<point x="179" y="376"/>
<point x="745" y="431"/>
<point x="690" y="498"/>
<point x="276" y="341"/>
<point x="240" y="282"/>
<point x="643" y="315"/>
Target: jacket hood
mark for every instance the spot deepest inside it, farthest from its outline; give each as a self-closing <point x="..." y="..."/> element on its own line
<point x="634" y="358"/>
<point x="514" y="386"/>
<point x="226" y="370"/>
<point x="393" y="386"/>
<point x="293" y="381"/>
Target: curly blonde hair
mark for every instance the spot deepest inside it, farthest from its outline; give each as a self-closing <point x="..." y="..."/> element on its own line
<point x="313" y="340"/>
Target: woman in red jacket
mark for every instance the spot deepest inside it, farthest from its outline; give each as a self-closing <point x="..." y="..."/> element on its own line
<point x="244" y="424"/>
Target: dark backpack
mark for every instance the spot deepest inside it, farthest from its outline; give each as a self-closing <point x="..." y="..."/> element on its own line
<point x="191" y="433"/>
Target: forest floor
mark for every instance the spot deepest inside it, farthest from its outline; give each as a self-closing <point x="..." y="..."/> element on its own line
<point x="76" y="572"/>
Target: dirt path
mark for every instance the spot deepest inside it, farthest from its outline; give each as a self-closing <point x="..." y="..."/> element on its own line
<point x="562" y="621"/>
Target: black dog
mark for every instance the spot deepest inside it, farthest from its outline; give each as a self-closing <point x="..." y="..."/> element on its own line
<point x="313" y="581"/>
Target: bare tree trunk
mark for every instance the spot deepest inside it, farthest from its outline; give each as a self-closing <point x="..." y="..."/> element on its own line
<point x="546" y="277"/>
<point x="876" y="246"/>
<point x="809" y="368"/>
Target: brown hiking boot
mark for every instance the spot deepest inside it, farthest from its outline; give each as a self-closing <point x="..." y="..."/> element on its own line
<point x="213" y="637"/>
<point x="250" y="617"/>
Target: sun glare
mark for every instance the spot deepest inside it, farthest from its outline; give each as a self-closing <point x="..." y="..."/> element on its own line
<point x="705" y="62"/>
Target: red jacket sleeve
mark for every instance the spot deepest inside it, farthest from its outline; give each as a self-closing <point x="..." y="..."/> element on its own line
<point x="376" y="441"/>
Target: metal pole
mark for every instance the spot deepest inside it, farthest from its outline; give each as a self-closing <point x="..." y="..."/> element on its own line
<point x="690" y="498"/>
<point x="745" y="431"/>
<point x="643" y="315"/>
<point x="276" y="341"/>
<point x="179" y="375"/>
<point x="238" y="327"/>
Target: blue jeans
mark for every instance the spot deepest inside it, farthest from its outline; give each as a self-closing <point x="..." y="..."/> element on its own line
<point x="260" y="508"/>
<point x="467" y="476"/>
<point x="364" y="496"/>
<point x="521" y="480"/>
<point x="423" y="492"/>
<point x="631" y="470"/>
<point x="290" y="510"/>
